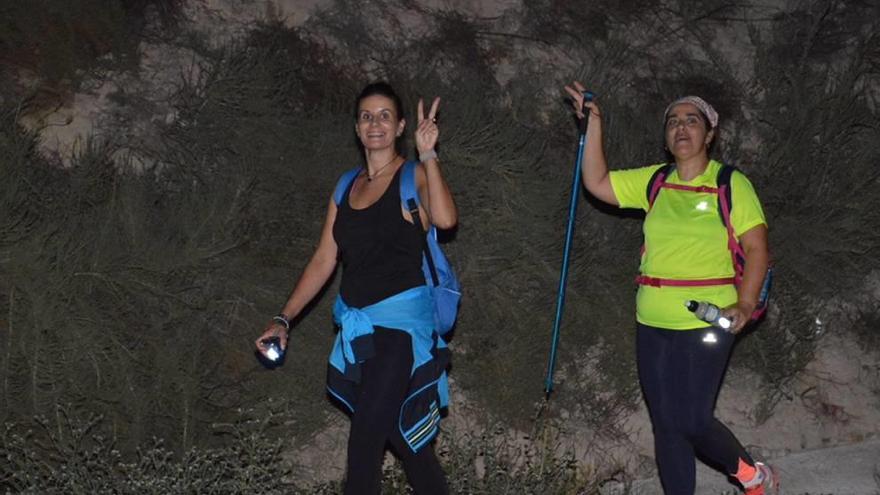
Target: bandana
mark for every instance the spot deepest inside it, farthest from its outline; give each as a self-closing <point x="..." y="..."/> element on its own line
<point x="705" y="108"/>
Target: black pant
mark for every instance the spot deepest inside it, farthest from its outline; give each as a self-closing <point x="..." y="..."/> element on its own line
<point x="681" y="372"/>
<point x="381" y="392"/>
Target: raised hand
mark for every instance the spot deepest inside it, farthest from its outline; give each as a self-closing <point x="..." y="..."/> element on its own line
<point x="427" y="131"/>
<point x="577" y="100"/>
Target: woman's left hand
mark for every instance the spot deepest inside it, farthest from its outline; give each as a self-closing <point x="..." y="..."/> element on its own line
<point x="427" y="131"/>
<point x="739" y="314"/>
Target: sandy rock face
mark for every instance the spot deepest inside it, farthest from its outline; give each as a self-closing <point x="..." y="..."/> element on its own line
<point x="96" y="110"/>
<point x="63" y="128"/>
<point x="229" y="15"/>
<point x="833" y="402"/>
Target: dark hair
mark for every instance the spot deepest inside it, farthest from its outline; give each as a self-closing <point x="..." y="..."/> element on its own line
<point x="380" y="88"/>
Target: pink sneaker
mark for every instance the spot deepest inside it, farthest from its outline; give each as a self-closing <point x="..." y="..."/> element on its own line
<point x="765" y="483"/>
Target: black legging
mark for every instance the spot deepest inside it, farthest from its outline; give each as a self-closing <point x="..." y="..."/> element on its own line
<point x="382" y="389"/>
<point x="681" y="372"/>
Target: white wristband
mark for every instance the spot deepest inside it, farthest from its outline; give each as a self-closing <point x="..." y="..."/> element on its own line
<point x="423" y="157"/>
<point x="282" y="319"/>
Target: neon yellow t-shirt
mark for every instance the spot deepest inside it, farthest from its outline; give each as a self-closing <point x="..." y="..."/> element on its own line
<point x="685" y="239"/>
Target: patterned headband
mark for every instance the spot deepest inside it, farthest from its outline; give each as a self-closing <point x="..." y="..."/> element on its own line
<point x="705" y="108"/>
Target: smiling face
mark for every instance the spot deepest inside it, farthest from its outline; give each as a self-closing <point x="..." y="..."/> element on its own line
<point x="378" y="125"/>
<point x="687" y="133"/>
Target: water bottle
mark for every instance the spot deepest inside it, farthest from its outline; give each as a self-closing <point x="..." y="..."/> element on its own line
<point x="709" y="313"/>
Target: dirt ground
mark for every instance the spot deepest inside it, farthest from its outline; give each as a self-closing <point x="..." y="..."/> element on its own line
<point x="824" y="437"/>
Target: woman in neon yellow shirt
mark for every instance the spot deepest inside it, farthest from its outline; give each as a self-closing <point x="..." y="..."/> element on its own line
<point x="681" y="360"/>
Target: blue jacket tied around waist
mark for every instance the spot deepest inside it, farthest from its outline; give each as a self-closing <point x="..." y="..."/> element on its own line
<point x="410" y="311"/>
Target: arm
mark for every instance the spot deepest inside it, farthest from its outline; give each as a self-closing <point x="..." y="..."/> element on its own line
<point x="434" y="192"/>
<point x="314" y="276"/>
<point x="594" y="169"/>
<point x="435" y="195"/>
<point x="754" y="243"/>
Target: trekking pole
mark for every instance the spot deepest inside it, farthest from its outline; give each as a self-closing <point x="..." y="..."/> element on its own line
<point x="563" y="276"/>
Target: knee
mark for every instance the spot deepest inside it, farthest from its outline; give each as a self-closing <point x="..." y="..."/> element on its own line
<point x="688" y="426"/>
<point x="697" y="425"/>
<point x="665" y="425"/>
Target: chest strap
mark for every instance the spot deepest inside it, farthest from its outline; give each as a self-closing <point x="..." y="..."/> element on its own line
<point x="669" y="282"/>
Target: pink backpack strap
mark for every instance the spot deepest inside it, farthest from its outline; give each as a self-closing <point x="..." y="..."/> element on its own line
<point x="657" y="181"/>
<point x="736" y="251"/>
<point x="655" y="189"/>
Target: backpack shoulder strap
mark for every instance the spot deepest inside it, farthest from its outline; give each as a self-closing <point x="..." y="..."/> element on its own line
<point x="725" y="198"/>
<point x="342" y="184"/>
<point x="409" y="196"/>
<point x="656" y="181"/>
<point x="409" y="192"/>
<point x="408" y="189"/>
<point x="725" y="207"/>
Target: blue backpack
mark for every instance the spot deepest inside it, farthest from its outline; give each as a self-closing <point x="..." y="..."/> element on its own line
<point x="439" y="275"/>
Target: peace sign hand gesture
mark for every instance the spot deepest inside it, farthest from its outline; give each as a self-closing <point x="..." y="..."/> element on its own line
<point x="427" y="131"/>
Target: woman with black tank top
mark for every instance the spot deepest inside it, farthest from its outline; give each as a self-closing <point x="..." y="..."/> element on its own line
<point x="388" y="363"/>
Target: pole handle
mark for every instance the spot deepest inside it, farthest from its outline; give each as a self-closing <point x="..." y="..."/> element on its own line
<point x="582" y="123"/>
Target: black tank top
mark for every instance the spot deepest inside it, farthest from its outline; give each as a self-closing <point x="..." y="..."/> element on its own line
<point x="381" y="252"/>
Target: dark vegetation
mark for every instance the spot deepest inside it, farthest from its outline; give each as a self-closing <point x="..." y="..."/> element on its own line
<point x="133" y="282"/>
<point x="58" y="45"/>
